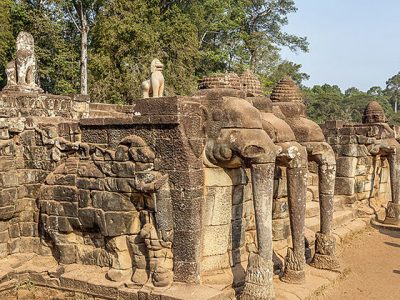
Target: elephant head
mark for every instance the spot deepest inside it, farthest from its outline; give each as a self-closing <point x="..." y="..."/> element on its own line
<point x="241" y="140"/>
<point x="235" y="138"/>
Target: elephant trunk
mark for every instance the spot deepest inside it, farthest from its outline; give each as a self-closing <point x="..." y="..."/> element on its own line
<point x="325" y="242"/>
<point x="260" y="269"/>
<point x="297" y="173"/>
<point x="393" y="208"/>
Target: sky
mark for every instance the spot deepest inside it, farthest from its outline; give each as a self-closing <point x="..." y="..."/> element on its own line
<point x="353" y="43"/>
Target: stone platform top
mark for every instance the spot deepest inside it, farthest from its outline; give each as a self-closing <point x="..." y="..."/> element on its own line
<point x="165" y="110"/>
<point x="44" y="272"/>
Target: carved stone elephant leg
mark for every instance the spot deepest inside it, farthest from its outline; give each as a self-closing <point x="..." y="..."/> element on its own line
<point x="294" y="157"/>
<point x="260" y="269"/>
<point x="393" y="209"/>
<point x="121" y="269"/>
<point x="325" y="242"/>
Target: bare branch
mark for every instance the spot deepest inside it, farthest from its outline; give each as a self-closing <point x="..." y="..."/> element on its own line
<point x="73" y="19"/>
<point x="205" y="34"/>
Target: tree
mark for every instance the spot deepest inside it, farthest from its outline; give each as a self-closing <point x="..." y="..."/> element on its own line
<point x="327" y="102"/>
<point x="6" y="37"/>
<point x="260" y="29"/>
<point x="284" y="68"/>
<point x="126" y="38"/>
<point x="352" y="92"/>
<point x="215" y="33"/>
<point x="324" y="103"/>
<point x="82" y="14"/>
<point x="55" y="52"/>
<point x="235" y="35"/>
<point x="375" y="91"/>
<point x="393" y="90"/>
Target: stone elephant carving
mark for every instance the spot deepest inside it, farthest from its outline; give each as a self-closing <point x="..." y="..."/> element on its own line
<point x="235" y="139"/>
<point x="154" y="87"/>
<point x="389" y="147"/>
<point x="288" y="105"/>
<point x="294" y="157"/>
<point x="111" y="208"/>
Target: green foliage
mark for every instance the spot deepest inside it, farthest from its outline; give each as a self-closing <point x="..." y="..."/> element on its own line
<point x="323" y="102"/>
<point x="327" y="102"/>
<point x="123" y="45"/>
<point x="128" y="36"/>
<point x="6" y="37"/>
<point x="192" y="38"/>
<point x="260" y="30"/>
<point x="393" y="90"/>
<point x="235" y="35"/>
<point x="56" y="56"/>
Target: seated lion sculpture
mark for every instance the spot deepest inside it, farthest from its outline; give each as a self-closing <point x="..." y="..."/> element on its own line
<point x="154" y="87"/>
<point x="21" y="72"/>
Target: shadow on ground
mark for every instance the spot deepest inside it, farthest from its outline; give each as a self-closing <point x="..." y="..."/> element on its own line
<point x="391" y="233"/>
<point x="392" y="244"/>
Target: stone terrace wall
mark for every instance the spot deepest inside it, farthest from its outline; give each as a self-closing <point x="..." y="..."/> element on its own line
<point x="169" y="128"/>
<point x="13" y="104"/>
<point x="26" y="157"/>
<point x="229" y="225"/>
<point x="98" y="110"/>
<point x="87" y="189"/>
<point x="27" y="123"/>
<point x="362" y="177"/>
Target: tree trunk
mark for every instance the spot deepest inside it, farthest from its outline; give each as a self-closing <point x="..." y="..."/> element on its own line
<point x="84" y="61"/>
<point x="84" y="50"/>
<point x="253" y="61"/>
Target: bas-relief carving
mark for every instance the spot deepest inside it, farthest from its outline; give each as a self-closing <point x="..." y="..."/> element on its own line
<point x="21" y="72"/>
<point x="287" y="98"/>
<point x="118" y="213"/>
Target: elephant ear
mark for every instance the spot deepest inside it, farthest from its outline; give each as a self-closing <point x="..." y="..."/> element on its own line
<point x="194" y="120"/>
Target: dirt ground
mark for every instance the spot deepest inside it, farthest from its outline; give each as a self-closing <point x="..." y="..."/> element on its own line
<point x="373" y="261"/>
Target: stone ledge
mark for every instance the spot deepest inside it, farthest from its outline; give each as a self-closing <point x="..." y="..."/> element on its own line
<point x="136" y="120"/>
<point x="43" y="271"/>
<point x="380" y="225"/>
<point x="316" y="281"/>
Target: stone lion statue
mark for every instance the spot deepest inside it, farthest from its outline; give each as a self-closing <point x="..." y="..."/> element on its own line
<point x="154" y="87"/>
<point x="21" y="72"/>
